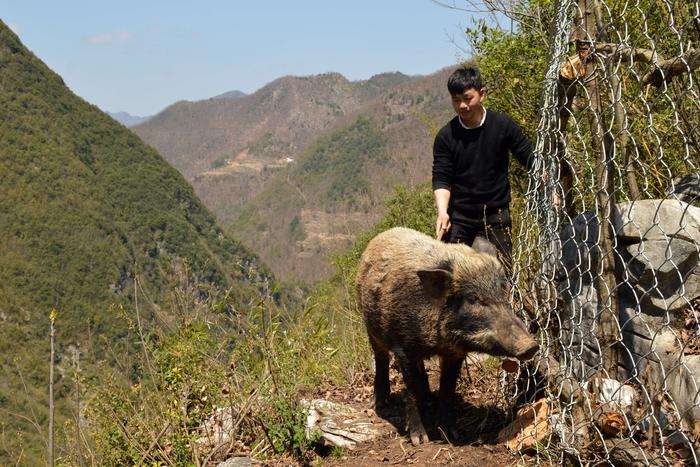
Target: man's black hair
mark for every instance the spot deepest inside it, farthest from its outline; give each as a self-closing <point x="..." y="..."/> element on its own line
<point x="466" y="77"/>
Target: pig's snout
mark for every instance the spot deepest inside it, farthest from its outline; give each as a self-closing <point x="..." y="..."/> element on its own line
<point x="527" y="350"/>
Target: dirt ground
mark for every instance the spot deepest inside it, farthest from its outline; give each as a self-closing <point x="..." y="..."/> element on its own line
<point x="480" y="414"/>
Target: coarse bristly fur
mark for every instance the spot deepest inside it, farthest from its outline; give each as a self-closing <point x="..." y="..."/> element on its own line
<point x="420" y="297"/>
<point x="400" y="313"/>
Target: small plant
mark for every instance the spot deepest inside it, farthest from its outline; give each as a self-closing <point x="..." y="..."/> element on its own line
<point x="286" y="430"/>
<point x="219" y="163"/>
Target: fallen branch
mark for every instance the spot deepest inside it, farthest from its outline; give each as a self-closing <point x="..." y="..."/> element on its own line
<point x="628" y="53"/>
<point x="666" y="70"/>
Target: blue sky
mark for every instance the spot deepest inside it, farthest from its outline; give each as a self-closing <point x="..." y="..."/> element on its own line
<point x="141" y="56"/>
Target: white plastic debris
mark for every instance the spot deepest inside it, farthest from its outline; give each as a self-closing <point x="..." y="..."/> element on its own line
<point x="616" y="394"/>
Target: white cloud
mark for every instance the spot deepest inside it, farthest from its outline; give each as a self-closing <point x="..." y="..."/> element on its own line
<point x="117" y="37"/>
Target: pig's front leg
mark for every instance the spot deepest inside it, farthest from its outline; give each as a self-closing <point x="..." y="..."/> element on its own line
<point x="449" y="374"/>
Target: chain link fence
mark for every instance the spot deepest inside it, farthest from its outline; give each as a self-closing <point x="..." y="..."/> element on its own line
<point x="608" y="245"/>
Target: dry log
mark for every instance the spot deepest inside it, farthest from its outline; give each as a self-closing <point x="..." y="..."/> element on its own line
<point x="666" y="70"/>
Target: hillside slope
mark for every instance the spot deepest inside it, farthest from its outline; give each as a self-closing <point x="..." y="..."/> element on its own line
<point x="228" y="148"/>
<point x="86" y="208"/>
<point x="335" y="189"/>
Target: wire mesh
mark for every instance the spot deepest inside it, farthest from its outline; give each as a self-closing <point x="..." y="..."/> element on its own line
<point x="608" y="245"/>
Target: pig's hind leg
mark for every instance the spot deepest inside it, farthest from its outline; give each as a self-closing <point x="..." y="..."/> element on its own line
<point x="415" y="379"/>
<point x="382" y="389"/>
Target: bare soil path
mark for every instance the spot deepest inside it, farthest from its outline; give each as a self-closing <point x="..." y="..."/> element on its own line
<point x="479" y="416"/>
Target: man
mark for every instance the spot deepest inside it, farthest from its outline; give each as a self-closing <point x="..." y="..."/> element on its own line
<point x="470" y="167"/>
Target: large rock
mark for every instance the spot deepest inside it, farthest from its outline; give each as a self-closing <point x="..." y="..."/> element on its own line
<point x="686" y="188"/>
<point x="341" y="425"/>
<point x="657" y="257"/>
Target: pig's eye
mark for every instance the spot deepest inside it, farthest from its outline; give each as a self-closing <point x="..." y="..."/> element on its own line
<point x="470" y="299"/>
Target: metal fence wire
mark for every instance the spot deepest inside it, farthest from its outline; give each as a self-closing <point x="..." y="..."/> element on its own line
<point x="607" y="248"/>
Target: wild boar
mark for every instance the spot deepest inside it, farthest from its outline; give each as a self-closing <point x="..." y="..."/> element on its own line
<point x="420" y="298"/>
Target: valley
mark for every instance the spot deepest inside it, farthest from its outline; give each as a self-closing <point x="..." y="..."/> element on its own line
<point x="272" y="163"/>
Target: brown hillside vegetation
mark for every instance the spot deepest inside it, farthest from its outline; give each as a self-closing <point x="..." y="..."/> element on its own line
<point x="228" y="147"/>
<point x="257" y="161"/>
<point x="317" y="204"/>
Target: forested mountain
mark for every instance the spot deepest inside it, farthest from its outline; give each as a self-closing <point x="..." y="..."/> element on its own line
<point x="336" y="187"/>
<point x="89" y="217"/>
<point x="299" y="166"/>
<point x="227" y="148"/>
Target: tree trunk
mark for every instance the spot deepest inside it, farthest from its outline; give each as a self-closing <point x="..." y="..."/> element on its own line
<point x="609" y="334"/>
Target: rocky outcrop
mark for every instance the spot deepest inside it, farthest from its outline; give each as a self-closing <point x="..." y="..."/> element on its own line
<point x="657" y="256"/>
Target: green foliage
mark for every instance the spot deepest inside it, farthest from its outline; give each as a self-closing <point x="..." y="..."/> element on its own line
<point x="338" y="162"/>
<point x="175" y="392"/>
<point x="269" y="145"/>
<point x="287" y="430"/>
<point x="211" y="358"/>
<point x="218" y="163"/>
<point x="86" y="208"/>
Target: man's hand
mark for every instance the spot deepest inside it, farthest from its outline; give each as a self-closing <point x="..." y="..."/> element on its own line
<point x="556" y="199"/>
<point x="442" y="200"/>
<point x="442" y="225"/>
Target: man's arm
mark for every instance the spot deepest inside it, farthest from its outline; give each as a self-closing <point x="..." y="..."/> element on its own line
<point x="520" y="146"/>
<point x="442" y="200"/>
<point x="522" y="150"/>
<point x="443" y="172"/>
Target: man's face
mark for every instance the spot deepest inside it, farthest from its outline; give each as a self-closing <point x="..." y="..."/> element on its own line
<point x="468" y="104"/>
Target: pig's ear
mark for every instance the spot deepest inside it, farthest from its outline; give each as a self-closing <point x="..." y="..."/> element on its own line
<point x="482" y="245"/>
<point x="436" y="282"/>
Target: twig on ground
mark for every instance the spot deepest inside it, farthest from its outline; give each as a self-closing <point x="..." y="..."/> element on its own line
<point x="439" y="451"/>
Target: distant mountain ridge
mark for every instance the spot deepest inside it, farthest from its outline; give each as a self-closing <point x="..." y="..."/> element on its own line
<point x="228" y="148"/>
<point x="287" y="112"/>
<point x="230" y="95"/>
<point x="251" y="159"/>
<point x="126" y="119"/>
<point x="91" y="218"/>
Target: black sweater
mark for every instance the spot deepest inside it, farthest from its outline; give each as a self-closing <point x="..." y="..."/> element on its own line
<point x="473" y="164"/>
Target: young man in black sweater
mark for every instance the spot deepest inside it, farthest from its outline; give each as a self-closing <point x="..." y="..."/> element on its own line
<point x="470" y="167"/>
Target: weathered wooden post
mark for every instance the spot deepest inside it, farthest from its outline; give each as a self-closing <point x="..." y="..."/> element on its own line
<point x="606" y="283"/>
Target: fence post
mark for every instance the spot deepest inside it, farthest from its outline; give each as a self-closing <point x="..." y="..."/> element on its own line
<point x="52" y="333"/>
<point x="586" y="35"/>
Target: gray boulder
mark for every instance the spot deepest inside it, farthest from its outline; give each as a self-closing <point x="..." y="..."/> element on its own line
<point x="686" y="188"/>
<point x="657" y="256"/>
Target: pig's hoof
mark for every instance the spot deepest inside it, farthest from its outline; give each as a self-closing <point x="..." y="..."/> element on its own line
<point x="419" y="437"/>
<point x="417" y="432"/>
